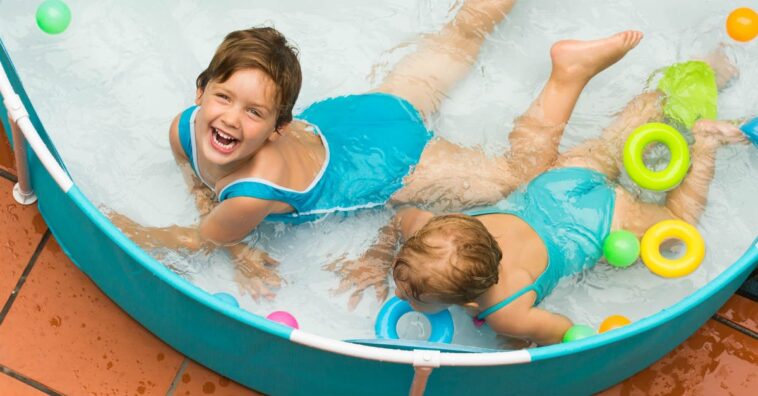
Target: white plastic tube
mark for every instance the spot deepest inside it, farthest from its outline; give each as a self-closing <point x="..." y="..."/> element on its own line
<point x="409" y="357"/>
<point x="20" y="116"/>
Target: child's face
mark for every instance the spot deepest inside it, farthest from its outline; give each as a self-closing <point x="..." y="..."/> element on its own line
<point x="429" y="307"/>
<point x="236" y="117"/>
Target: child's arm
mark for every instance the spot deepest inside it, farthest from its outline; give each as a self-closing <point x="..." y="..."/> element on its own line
<point x="373" y="266"/>
<point x="252" y="266"/>
<point x="535" y="324"/>
<point x="224" y="225"/>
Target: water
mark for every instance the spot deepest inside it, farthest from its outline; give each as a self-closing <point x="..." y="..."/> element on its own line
<point x="107" y="89"/>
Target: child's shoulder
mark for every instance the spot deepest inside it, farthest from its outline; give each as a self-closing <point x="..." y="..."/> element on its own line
<point x="266" y="165"/>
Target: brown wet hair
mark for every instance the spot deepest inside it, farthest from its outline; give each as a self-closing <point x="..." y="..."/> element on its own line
<point x="265" y="49"/>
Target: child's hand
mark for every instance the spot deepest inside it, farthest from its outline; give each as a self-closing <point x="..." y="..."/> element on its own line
<point x="371" y="269"/>
<point x="717" y="133"/>
<point x="254" y="274"/>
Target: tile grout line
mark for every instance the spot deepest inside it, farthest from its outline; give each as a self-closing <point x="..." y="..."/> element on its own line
<point x="746" y="295"/>
<point x="172" y="388"/>
<point x="34" y="384"/>
<point x="22" y="279"/>
<point x="735" y="326"/>
<point x="8" y="175"/>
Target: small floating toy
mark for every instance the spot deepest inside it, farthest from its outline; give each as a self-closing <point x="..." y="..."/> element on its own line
<point x="742" y="24"/>
<point x="53" y="16"/>
<point x="227" y="298"/>
<point x="613" y="322"/>
<point x="395" y="308"/>
<point x="284" y="318"/>
<point x="621" y="248"/>
<point x="750" y="129"/>
<point x="577" y="332"/>
<point x="672" y="229"/>
<point x="635" y="165"/>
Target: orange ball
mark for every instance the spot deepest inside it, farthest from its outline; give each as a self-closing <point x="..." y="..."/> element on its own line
<point x="613" y="322"/>
<point x="742" y="24"/>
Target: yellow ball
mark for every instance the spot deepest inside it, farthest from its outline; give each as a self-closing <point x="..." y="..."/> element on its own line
<point x="613" y="322"/>
<point x="742" y="24"/>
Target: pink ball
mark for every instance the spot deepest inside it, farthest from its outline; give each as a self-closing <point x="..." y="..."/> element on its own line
<point x="284" y="318"/>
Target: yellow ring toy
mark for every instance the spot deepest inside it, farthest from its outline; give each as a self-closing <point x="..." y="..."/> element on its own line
<point x="672" y="229"/>
<point x="677" y="167"/>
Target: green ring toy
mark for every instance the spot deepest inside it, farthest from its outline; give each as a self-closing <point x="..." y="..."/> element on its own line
<point x="675" y="170"/>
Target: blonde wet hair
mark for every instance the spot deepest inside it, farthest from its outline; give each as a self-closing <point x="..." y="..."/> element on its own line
<point x="453" y="259"/>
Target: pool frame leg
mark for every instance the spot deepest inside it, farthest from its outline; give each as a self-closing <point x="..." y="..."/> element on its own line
<point x="420" y="377"/>
<point x="424" y="361"/>
<point x="22" y="190"/>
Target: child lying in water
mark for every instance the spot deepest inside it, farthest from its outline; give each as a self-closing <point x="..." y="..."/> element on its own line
<point x="500" y="261"/>
<point x="250" y="160"/>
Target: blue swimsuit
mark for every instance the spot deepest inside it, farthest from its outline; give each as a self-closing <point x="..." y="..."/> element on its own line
<point x="372" y="142"/>
<point x="571" y="210"/>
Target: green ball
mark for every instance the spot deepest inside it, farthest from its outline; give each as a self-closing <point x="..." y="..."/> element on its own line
<point x="621" y="248"/>
<point x="577" y="332"/>
<point x="53" y="16"/>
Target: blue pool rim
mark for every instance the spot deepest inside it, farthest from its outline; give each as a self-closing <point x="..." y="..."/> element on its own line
<point x="279" y="366"/>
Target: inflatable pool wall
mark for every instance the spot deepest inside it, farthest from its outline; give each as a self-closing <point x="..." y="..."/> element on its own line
<point x="275" y="359"/>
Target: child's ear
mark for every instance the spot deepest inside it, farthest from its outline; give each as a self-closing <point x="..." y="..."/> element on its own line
<point x="278" y="132"/>
<point x="198" y="96"/>
<point x="471" y="308"/>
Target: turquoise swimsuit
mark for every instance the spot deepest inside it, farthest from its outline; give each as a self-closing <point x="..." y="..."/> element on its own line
<point x="372" y="142"/>
<point x="571" y="210"/>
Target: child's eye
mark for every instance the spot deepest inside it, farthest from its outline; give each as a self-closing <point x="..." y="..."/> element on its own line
<point x="253" y="112"/>
<point x="222" y="96"/>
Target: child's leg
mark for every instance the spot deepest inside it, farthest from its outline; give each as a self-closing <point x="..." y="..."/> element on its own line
<point x="424" y="77"/>
<point x="687" y="201"/>
<point x="455" y="177"/>
<point x="605" y="153"/>
<point x="537" y="133"/>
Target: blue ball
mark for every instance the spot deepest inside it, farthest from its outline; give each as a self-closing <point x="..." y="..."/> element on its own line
<point x="227" y="298"/>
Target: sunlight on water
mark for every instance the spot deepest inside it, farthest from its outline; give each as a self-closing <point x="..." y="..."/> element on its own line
<point x="107" y="89"/>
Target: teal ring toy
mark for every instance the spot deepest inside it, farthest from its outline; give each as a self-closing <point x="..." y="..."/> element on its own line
<point x="395" y="308"/>
<point x="677" y="167"/>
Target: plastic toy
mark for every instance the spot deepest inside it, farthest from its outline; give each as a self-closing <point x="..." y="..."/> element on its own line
<point x="227" y="298"/>
<point x="742" y="24"/>
<point x="395" y="308"/>
<point x="613" y="322"/>
<point x="672" y="229"/>
<point x="677" y="167"/>
<point x="53" y="16"/>
<point x="577" y="332"/>
<point x="284" y="318"/>
<point x="621" y="248"/>
<point x="750" y="129"/>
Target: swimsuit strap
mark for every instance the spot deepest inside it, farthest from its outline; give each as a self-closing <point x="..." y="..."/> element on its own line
<point x="262" y="189"/>
<point x="489" y="311"/>
<point x="185" y="134"/>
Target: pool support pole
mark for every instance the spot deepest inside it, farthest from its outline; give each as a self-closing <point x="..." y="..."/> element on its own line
<point x="23" y="131"/>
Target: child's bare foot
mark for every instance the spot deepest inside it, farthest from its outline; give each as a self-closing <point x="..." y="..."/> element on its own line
<point x="577" y="61"/>
<point x="716" y="133"/>
<point x="725" y="70"/>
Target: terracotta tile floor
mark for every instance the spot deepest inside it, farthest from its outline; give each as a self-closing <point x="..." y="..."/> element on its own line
<point x="60" y="335"/>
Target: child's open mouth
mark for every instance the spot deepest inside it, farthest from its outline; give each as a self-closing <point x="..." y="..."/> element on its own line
<point x="222" y="142"/>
